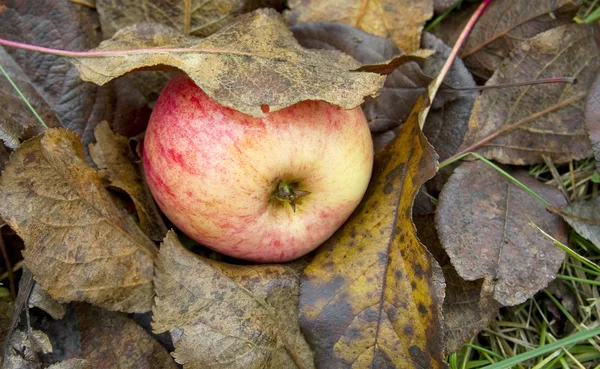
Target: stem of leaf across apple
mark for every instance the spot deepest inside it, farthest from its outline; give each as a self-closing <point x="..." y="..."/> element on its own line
<point x="288" y="192"/>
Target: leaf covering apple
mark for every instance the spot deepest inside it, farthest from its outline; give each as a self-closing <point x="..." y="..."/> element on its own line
<point x="261" y="189"/>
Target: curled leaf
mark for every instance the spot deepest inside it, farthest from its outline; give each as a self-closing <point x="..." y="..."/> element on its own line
<point x="372" y="295"/>
<point x="111" y="154"/>
<point x="254" y="61"/>
<point x="227" y="316"/>
<point x="78" y="244"/>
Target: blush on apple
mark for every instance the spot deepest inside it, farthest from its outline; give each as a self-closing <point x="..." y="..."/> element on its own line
<point x="265" y="190"/>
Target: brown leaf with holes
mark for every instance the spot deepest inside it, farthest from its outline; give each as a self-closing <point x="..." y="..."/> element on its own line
<point x="112" y="155"/>
<point x="564" y="51"/>
<point x="252" y="63"/>
<point x="592" y="118"/>
<point x="112" y="340"/>
<point x="17" y="122"/>
<point x="79" y="106"/>
<point x="372" y="295"/>
<point x="78" y="244"/>
<point x="484" y="224"/>
<point x="584" y="217"/>
<point x="191" y="17"/>
<point x="228" y="316"/>
<point x="502" y="28"/>
<point x="468" y="307"/>
<point x="399" y="20"/>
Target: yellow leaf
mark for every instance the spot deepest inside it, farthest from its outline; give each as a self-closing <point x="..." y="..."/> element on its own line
<point x="372" y="296"/>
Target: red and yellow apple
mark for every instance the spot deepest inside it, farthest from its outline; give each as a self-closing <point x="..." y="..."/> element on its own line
<point x="261" y="189"/>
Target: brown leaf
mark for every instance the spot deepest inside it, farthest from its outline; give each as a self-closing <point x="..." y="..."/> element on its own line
<point x="112" y="155"/>
<point x="78" y="105"/>
<point x="191" y="17"/>
<point x="228" y="316"/>
<point x="78" y="244"/>
<point x="112" y="340"/>
<point x="592" y="118"/>
<point x="584" y="217"/>
<point x="560" y="134"/>
<point x="468" y="308"/>
<point x="440" y="6"/>
<point x="502" y="28"/>
<point x="6" y="312"/>
<point x="17" y="122"/>
<point x="42" y="300"/>
<point x="253" y="62"/>
<point x="447" y="121"/>
<point x="72" y="364"/>
<point x="399" y="20"/>
<point x="484" y="223"/>
<point x="23" y="350"/>
<point x="401" y="88"/>
<point x="372" y="295"/>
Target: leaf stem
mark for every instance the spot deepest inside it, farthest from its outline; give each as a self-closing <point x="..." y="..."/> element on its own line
<point x="515" y="84"/>
<point x="102" y="53"/>
<point x="435" y="86"/>
<point x="23" y="97"/>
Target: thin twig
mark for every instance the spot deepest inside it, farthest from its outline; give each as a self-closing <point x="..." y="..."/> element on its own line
<point x="435" y="86"/>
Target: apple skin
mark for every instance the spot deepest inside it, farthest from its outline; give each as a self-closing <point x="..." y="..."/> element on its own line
<point x="213" y="171"/>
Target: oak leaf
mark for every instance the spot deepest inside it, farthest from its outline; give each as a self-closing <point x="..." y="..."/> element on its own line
<point x="484" y="224"/>
<point x="252" y="64"/>
<point x="399" y="20"/>
<point x="228" y="316"/>
<point x="78" y="244"/>
<point x="372" y="295"/>
<point x="112" y="155"/>
<point x="564" y="51"/>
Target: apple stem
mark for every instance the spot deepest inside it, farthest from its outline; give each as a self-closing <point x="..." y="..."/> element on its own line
<point x="287" y="192"/>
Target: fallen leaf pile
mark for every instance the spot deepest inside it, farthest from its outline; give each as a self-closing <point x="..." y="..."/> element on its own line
<point x="404" y="282"/>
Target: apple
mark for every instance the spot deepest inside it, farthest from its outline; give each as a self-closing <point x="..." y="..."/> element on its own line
<point x="261" y="189"/>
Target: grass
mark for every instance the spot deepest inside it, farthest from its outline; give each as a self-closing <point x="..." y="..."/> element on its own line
<point x="560" y="326"/>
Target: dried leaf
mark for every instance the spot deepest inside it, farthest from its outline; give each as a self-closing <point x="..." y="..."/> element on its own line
<point x="23" y="350"/>
<point x="112" y="340"/>
<point x="228" y="316"/>
<point x="592" y="118"/>
<point x="42" y="300"/>
<point x="447" y="121"/>
<point x="254" y="61"/>
<point x="399" y="20"/>
<point x="372" y="295"/>
<point x="79" y="245"/>
<point x="584" y="217"/>
<point x="468" y="307"/>
<point x="401" y="88"/>
<point x="502" y="28"/>
<point x="16" y="119"/>
<point x="563" y="51"/>
<point x="484" y="223"/>
<point x="78" y="105"/>
<point x="71" y="364"/>
<point x="191" y="17"/>
<point x="111" y="154"/>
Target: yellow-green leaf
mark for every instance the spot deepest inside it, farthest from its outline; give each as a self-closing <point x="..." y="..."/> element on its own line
<point x="372" y="296"/>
